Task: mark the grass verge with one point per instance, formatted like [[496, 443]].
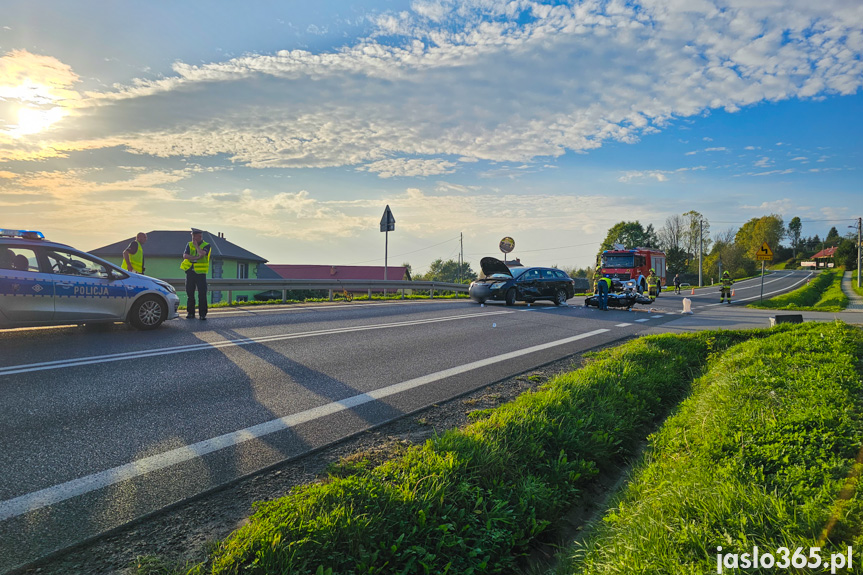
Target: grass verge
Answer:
[[824, 293], [473, 500], [766, 452]]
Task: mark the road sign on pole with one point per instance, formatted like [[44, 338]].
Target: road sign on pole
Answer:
[[388, 224], [764, 254]]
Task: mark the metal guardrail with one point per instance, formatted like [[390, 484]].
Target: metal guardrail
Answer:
[[354, 286]]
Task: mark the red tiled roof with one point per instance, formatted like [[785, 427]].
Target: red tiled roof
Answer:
[[317, 272], [825, 253]]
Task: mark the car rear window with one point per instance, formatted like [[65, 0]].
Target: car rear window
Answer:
[[18, 259]]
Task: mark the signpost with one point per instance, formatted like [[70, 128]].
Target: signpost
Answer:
[[764, 254], [507, 244], [388, 224]]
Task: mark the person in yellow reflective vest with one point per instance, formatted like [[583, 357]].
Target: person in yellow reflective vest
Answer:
[[603, 286], [653, 284], [196, 264], [133, 255], [725, 287]]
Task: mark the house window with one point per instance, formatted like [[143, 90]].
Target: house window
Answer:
[[242, 271]]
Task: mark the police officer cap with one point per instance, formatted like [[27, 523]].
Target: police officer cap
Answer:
[[197, 231]]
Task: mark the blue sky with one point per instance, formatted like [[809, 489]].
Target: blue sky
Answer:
[[290, 127]]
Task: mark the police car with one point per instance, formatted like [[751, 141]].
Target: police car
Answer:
[[46, 283]]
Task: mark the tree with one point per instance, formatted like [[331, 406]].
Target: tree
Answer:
[[671, 234], [832, 239], [448, 271], [846, 254], [630, 234], [696, 233], [766, 229], [794, 228], [676, 260]]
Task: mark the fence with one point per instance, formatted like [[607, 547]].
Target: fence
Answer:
[[283, 285]]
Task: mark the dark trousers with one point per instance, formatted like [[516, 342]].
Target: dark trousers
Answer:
[[602, 292], [194, 282]]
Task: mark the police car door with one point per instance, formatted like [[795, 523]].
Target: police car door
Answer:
[[26, 294], [84, 288]]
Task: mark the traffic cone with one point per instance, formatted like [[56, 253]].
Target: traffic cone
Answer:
[[732, 293], [693, 291]]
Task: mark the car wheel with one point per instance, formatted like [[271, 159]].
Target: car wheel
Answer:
[[510, 296], [560, 298], [148, 312]]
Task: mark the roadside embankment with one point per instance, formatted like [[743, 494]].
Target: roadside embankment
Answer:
[[766, 453], [824, 293]]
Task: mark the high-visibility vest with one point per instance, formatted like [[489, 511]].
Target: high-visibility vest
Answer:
[[727, 281], [652, 280], [202, 266], [137, 260]]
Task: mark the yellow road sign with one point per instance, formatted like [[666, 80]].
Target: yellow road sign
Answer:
[[764, 254]]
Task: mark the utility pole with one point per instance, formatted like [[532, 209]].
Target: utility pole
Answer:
[[460, 255], [859, 233], [700, 250]]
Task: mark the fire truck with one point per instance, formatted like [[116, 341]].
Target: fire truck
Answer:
[[633, 264]]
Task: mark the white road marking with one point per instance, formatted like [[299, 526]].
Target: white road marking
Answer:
[[57, 493], [63, 363], [655, 317], [641, 320], [623, 325]]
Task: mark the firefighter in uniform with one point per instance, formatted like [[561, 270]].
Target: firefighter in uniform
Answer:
[[725, 287], [653, 284], [196, 264]]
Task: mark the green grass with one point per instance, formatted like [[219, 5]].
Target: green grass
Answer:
[[473, 500], [824, 293], [763, 454]]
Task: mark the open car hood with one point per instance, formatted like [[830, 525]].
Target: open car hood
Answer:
[[491, 266]]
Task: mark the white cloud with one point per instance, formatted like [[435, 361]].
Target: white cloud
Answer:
[[764, 162], [715, 149], [503, 82], [408, 167], [783, 206]]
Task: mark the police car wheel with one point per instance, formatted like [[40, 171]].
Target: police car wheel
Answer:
[[148, 312]]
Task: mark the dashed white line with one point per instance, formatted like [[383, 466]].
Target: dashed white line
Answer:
[[641, 320], [623, 325]]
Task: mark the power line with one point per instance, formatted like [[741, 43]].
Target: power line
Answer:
[[405, 253]]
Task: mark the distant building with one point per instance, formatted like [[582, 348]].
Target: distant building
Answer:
[[825, 258], [163, 254], [319, 272]]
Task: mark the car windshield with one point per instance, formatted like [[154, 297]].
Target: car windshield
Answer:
[[497, 277], [518, 272], [617, 261]]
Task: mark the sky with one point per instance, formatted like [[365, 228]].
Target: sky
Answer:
[[290, 126]]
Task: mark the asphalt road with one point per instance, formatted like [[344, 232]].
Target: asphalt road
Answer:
[[102, 427]]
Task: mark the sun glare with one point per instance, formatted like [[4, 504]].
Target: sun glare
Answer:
[[34, 120]]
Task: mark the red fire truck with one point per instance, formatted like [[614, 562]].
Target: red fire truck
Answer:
[[633, 264]]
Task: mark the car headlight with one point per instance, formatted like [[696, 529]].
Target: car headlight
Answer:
[[498, 285], [167, 286]]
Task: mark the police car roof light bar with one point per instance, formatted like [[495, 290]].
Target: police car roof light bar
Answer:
[[27, 234]]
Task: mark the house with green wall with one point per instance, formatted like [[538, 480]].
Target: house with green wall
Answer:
[[163, 254]]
